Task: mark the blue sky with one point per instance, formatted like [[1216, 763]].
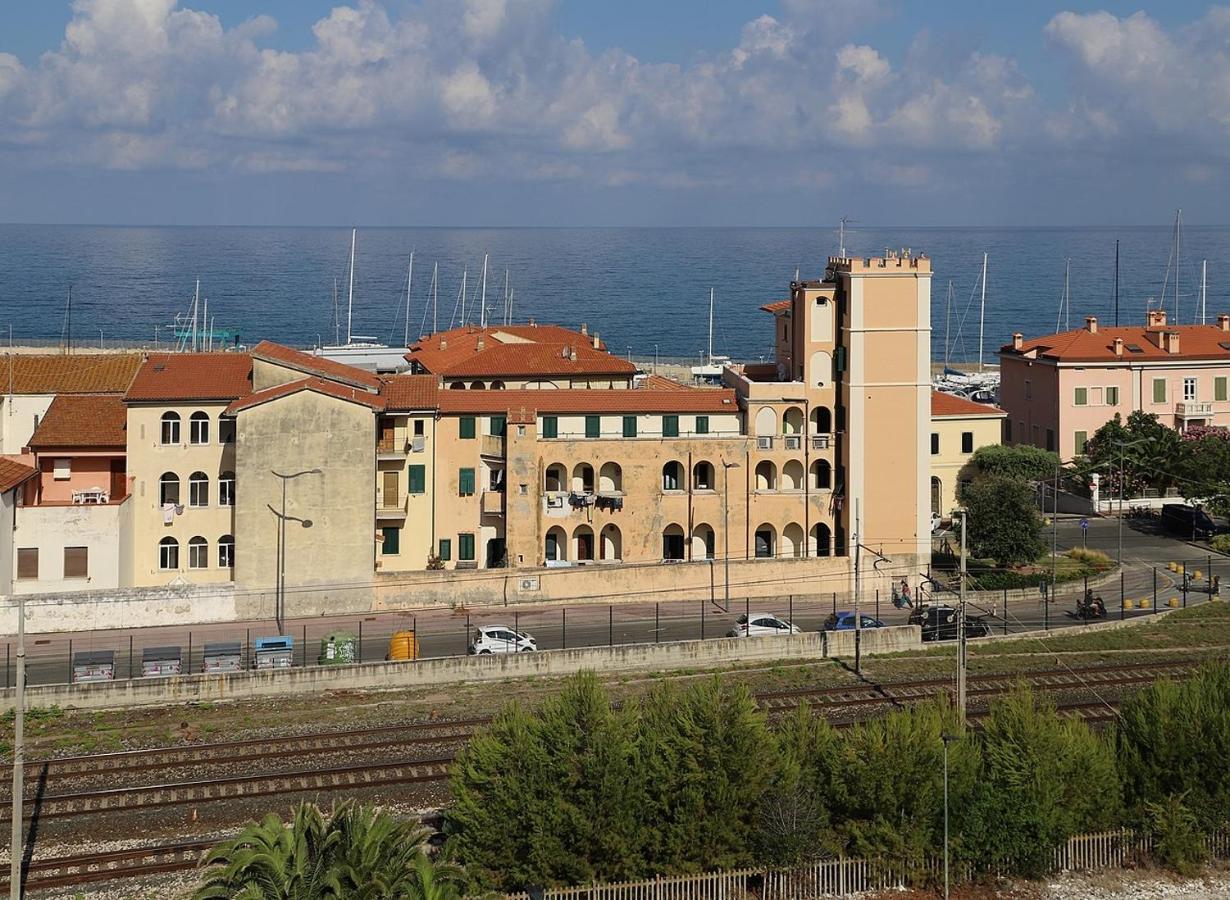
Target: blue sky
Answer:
[[576, 112]]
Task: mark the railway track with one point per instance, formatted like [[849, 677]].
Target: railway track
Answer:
[[136, 862]]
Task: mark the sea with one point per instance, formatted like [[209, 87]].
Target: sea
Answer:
[[644, 290]]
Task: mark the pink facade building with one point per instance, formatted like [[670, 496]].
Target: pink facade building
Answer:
[[1061, 388]]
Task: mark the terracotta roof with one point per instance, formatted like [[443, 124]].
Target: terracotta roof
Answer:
[[83, 420], [776, 306], [85, 373], [945, 405], [632, 400], [313, 384], [311, 364], [13, 473], [515, 350], [165, 377], [1081, 345], [403, 392]]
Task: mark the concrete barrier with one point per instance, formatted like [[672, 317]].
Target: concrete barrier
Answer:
[[394, 676]]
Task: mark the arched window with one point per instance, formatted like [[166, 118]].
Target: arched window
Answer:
[[610, 478], [766, 542], [226, 552], [703, 542], [556, 478], [766, 421], [170, 428], [226, 489], [612, 544], [821, 475], [821, 539], [672, 477], [821, 420], [583, 478], [792, 476], [168, 488], [457, 386], [198, 553], [198, 489], [198, 428], [168, 554], [792, 421], [583, 543], [556, 544], [497, 385], [476, 386], [766, 476], [672, 542], [702, 476], [226, 430], [792, 540]]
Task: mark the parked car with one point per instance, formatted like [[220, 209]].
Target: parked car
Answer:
[[1188, 522], [844, 621], [939, 623], [762, 625], [500, 639]]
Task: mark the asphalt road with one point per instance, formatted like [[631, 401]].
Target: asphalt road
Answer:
[[447, 633]]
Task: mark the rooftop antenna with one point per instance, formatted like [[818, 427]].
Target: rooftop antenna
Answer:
[[409, 279], [350, 292], [841, 240]]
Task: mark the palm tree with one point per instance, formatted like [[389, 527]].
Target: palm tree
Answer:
[[354, 852]]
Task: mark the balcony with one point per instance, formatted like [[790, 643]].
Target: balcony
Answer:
[[1193, 409], [389, 506], [388, 448], [493, 503], [793, 441], [491, 445], [821, 441]]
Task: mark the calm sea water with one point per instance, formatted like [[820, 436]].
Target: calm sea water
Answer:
[[639, 287]]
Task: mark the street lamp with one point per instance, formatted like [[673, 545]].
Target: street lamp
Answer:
[[279, 610], [726, 467], [1123, 445]]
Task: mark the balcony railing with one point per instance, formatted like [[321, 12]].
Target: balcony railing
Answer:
[[821, 441], [491, 445], [390, 506], [387, 447], [493, 503], [792, 441], [1190, 408]]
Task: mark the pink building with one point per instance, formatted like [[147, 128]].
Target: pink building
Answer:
[[1061, 388], [80, 448]]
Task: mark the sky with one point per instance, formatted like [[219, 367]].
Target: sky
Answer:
[[613, 112]]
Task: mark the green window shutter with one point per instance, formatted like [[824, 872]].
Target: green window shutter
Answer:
[[629, 426], [465, 547], [550, 426], [392, 541], [670, 426], [466, 427], [935, 443], [1112, 396], [446, 549], [839, 359], [593, 426], [1082, 396], [418, 479], [1081, 438], [465, 482], [1159, 390], [499, 426], [702, 424], [1219, 388]]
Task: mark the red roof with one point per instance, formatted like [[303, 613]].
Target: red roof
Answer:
[[84, 373], [313, 384], [314, 365], [1082, 345], [515, 350], [632, 400], [951, 405], [13, 473], [167, 377], [776, 306], [83, 421], [405, 392]]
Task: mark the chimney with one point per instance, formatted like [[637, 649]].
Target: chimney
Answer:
[[1155, 318], [532, 322], [1018, 340], [444, 344], [584, 328], [481, 343], [1091, 324], [1223, 322], [1118, 346], [1172, 342], [572, 354], [597, 343]]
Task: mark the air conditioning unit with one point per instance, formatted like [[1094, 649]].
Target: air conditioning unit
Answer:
[[764, 443]]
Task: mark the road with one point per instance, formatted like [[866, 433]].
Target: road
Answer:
[[447, 633]]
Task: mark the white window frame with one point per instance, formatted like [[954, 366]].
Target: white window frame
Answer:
[[1192, 383], [62, 468], [226, 490], [229, 548], [169, 429], [197, 422], [199, 549], [195, 485], [163, 551]]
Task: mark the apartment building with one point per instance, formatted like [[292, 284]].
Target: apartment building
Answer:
[[958, 428], [1057, 390]]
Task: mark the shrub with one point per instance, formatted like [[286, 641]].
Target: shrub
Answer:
[[1221, 543], [1094, 558], [1020, 461], [1177, 841], [794, 821], [1003, 521]]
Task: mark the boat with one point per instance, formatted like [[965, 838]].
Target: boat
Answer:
[[195, 330], [710, 370], [981, 386], [362, 351]]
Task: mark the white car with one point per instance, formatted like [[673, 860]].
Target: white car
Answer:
[[500, 639], [762, 625]]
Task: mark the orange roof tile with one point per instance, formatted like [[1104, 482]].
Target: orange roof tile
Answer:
[[632, 400], [515, 350], [311, 364], [13, 473], [315, 385], [167, 377], [85, 373], [1081, 345], [405, 392], [943, 405], [776, 306], [83, 420]]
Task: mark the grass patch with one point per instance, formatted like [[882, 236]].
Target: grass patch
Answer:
[[1074, 565]]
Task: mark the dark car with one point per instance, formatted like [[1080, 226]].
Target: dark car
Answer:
[[939, 623], [1187, 522], [844, 621]]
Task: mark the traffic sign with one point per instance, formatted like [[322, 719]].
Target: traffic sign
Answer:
[[1084, 524]]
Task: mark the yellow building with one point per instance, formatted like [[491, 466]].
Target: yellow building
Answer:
[[958, 428]]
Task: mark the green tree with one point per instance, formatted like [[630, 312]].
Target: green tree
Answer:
[[795, 825], [1043, 780], [1020, 461], [1153, 461], [1003, 522], [551, 797], [354, 852]]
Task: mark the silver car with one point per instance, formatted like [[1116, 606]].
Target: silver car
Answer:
[[500, 639]]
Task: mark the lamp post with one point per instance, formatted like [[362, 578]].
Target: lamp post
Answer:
[[726, 467], [1123, 445], [279, 610]]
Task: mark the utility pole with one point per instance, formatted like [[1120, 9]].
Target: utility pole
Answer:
[[17, 845], [961, 644], [858, 631], [726, 467]]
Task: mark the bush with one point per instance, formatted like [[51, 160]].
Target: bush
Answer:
[[1020, 461], [1003, 521], [1177, 841], [1221, 543], [1094, 558]]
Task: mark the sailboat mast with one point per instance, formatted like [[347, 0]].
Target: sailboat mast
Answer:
[[337, 322], [982, 309], [196, 300], [1067, 296], [350, 291], [205, 323], [947, 324], [1116, 282], [709, 361], [482, 312], [505, 296], [1204, 283], [463, 296], [1178, 217], [435, 297], [409, 279]]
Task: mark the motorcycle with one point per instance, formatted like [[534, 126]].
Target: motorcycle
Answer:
[[1089, 607]]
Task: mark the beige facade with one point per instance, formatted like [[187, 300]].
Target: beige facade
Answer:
[[958, 429]]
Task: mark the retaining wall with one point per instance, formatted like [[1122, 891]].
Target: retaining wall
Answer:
[[387, 676]]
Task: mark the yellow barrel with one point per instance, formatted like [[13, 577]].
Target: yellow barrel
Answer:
[[1128, 603], [403, 645], [1172, 566], [1172, 602], [1145, 602]]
